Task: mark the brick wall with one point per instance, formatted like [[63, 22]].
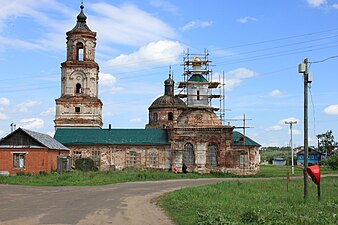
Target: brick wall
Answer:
[[36, 160]]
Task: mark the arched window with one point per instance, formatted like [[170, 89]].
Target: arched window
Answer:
[[155, 117], [78, 88], [188, 154], [212, 155], [170, 116], [79, 52]]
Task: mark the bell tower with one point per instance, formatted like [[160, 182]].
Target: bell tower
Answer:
[[79, 105]]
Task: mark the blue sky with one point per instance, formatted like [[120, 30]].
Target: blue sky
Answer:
[[257, 44]]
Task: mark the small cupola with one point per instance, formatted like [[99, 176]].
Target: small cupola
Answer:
[[169, 86]]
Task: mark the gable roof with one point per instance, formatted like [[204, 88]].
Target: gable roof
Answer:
[[69, 136], [44, 139], [238, 139]]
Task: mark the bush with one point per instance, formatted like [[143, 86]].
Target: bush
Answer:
[[43, 173], [85, 164], [20, 173], [332, 162]]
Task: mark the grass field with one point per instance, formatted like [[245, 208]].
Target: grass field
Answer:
[[254, 202], [77, 178]]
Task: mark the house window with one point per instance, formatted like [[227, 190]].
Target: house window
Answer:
[[19, 160], [153, 160], [212, 155], [78, 88], [77, 109], [79, 52], [170, 116], [188, 154], [198, 95], [155, 117], [133, 159], [243, 160], [96, 156]]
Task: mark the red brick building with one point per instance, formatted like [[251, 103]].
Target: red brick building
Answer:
[[29, 152]]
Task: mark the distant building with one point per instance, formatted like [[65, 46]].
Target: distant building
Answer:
[[183, 129], [314, 157], [30, 152], [279, 161]]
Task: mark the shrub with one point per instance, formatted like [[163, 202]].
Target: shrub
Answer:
[[43, 173], [332, 162], [20, 173], [85, 164]]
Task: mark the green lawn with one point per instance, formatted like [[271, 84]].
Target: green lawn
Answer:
[[254, 202], [77, 178]]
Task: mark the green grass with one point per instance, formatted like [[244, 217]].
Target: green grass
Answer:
[[254, 202], [77, 178]]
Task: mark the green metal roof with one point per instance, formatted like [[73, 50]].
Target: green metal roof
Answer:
[[111, 136], [238, 139], [197, 78]]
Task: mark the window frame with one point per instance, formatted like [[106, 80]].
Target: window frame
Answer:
[[16, 162]]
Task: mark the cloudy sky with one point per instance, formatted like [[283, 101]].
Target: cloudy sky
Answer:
[[257, 44]]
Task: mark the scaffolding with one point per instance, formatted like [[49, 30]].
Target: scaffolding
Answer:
[[199, 64]]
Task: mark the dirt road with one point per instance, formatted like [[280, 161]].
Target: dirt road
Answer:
[[120, 204]]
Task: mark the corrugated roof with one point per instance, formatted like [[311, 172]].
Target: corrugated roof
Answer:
[[197, 78], [46, 140], [238, 139], [112, 136]]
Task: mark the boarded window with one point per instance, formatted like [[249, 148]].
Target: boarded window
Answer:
[[96, 157], [153, 160], [155, 117], [243, 160], [212, 155], [134, 159], [19, 160], [188, 154]]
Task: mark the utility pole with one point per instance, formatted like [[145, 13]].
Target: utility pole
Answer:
[[292, 164], [303, 68]]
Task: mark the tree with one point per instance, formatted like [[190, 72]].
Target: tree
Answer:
[[326, 142]]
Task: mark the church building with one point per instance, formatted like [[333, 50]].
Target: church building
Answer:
[[183, 128]]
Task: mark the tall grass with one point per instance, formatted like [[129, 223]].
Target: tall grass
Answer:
[[254, 202]]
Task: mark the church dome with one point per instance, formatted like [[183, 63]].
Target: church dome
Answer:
[[167, 101], [198, 117]]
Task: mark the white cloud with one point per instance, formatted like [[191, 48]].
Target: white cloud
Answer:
[[4, 101], [31, 123], [235, 77], [316, 3], [2, 116], [155, 53], [130, 25], [275, 93], [48, 112], [335, 6], [274, 128], [290, 119], [106, 79], [242, 73], [196, 24], [135, 120], [247, 19], [331, 110], [24, 107]]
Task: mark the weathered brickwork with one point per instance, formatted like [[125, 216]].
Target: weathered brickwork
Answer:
[[119, 157]]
